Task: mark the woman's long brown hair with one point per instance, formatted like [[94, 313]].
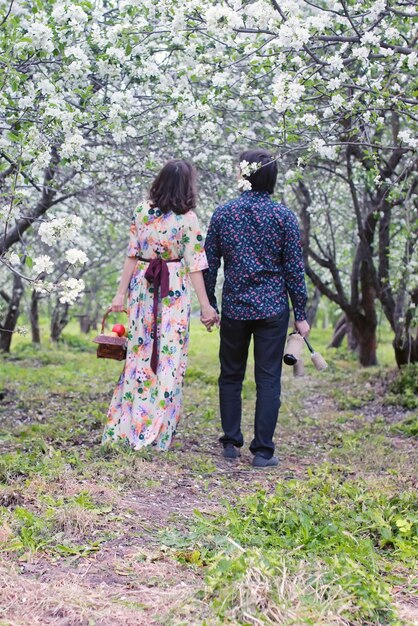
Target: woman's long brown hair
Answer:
[[174, 188]]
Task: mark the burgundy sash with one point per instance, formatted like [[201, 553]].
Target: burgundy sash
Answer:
[[157, 274]]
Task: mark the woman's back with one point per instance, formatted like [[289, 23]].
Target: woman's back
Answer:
[[168, 235]]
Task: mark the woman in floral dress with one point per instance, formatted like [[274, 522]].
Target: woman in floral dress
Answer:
[[165, 254]]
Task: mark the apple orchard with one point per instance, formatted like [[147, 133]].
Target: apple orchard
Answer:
[[96, 95]]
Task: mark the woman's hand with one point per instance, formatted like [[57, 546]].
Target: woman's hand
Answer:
[[209, 317], [303, 328], [118, 303]]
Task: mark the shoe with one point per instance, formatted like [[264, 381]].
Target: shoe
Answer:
[[260, 461], [231, 452]]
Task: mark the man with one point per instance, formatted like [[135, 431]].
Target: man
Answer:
[[259, 241]]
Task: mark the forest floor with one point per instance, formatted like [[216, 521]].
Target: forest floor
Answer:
[[111, 537]]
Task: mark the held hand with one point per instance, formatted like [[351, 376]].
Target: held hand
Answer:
[[303, 328], [209, 317], [118, 303]]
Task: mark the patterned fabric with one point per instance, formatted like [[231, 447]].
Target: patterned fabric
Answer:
[[145, 408], [259, 241]]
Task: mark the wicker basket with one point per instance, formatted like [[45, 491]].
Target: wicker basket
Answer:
[[110, 347]]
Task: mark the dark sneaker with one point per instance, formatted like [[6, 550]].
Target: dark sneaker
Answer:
[[261, 462], [231, 452]]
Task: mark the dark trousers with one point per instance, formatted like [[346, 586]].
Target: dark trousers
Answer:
[[269, 337]]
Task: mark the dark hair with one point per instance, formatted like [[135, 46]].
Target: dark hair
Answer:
[[265, 177], [174, 188]]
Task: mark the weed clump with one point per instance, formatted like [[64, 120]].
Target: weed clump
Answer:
[[404, 389]]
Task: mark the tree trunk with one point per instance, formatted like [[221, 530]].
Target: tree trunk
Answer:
[[12, 315], [352, 340], [340, 331], [59, 320], [34, 318], [85, 322], [313, 307], [406, 350], [364, 331]]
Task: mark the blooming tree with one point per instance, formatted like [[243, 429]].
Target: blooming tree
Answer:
[[97, 92]]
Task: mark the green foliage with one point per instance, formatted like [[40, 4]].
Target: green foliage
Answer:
[[78, 342], [408, 426], [61, 528], [404, 389], [357, 535], [34, 457]]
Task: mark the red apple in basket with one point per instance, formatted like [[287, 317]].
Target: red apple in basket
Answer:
[[119, 329]]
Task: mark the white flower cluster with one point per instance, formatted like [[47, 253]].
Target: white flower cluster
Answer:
[[244, 184], [21, 330], [248, 168], [60, 229], [408, 139], [319, 146], [287, 92], [44, 286], [73, 256], [70, 290], [13, 259], [41, 264]]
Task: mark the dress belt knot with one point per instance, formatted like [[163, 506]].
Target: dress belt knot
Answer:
[[157, 273]]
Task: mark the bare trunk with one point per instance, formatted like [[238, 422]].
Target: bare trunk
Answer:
[[34, 318], [352, 340], [12, 315], [59, 320], [313, 307], [340, 331], [406, 351], [344, 328], [85, 322], [364, 332]]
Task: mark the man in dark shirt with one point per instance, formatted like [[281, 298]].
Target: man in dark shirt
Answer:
[[259, 241]]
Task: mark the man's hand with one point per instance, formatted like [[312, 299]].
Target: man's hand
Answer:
[[209, 317], [303, 328]]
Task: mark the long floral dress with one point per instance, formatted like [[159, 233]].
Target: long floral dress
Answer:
[[146, 406]]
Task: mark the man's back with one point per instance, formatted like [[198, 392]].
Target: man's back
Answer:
[[260, 243]]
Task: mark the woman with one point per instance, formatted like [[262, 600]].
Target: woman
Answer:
[[165, 254]]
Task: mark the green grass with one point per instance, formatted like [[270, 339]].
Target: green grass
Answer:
[[326, 539], [362, 538]]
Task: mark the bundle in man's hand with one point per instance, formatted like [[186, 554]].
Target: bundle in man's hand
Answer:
[[293, 350]]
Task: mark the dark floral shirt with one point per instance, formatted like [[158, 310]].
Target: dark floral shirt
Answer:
[[259, 241]]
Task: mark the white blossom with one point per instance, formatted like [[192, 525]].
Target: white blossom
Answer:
[[60, 229], [310, 119], [336, 62], [14, 259], [337, 101], [70, 290], [41, 264], [334, 83], [406, 137], [72, 145], [73, 256], [41, 36], [21, 330], [247, 168], [361, 52], [412, 60], [244, 184]]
